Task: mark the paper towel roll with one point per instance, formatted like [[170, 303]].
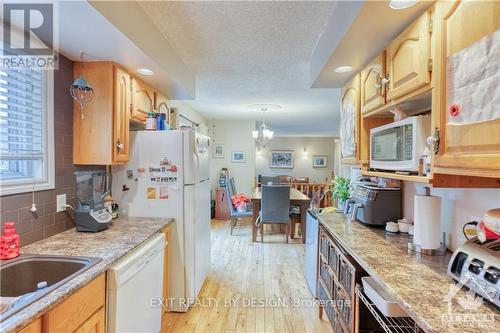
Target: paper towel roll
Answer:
[[427, 216]]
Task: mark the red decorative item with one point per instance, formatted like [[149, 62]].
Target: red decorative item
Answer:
[[9, 242], [173, 168], [454, 110]]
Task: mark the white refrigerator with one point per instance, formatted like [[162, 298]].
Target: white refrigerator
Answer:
[[168, 175]]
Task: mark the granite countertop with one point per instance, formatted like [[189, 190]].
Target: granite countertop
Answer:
[[110, 245], [418, 282]]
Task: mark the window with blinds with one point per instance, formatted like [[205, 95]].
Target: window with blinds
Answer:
[[25, 155]]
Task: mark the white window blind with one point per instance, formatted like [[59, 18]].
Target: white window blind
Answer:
[[26, 138]]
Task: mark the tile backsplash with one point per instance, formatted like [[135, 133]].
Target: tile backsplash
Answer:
[[16, 208]]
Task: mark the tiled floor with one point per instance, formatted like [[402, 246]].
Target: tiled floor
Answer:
[[245, 272]]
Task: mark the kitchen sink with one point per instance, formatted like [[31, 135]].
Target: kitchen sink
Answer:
[[28, 278]]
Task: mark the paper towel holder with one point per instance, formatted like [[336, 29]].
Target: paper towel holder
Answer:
[[441, 251]]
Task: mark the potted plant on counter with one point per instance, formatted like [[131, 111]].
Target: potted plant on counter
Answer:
[[341, 190]]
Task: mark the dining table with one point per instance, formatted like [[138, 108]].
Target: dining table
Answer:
[[297, 198]]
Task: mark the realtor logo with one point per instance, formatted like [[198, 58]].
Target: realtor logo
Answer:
[[29, 36], [469, 304]]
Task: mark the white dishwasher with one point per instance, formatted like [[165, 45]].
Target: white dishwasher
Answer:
[[132, 284]]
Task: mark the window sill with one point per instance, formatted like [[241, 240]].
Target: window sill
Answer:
[[25, 188]]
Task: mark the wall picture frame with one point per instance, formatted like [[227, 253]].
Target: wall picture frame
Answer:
[[320, 161], [281, 159], [218, 151], [238, 156]]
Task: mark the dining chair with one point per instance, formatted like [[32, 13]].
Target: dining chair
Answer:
[[235, 214], [275, 208], [232, 185]]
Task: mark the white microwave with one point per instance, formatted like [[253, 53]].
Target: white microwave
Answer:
[[399, 145]]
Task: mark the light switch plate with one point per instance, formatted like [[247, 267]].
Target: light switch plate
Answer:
[[61, 202]]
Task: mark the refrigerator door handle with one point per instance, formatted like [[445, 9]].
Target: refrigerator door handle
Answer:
[[197, 164]]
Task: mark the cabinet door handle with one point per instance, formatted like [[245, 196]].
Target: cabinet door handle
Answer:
[[385, 81], [120, 146]]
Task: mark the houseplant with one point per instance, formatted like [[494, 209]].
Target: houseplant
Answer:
[[341, 190]]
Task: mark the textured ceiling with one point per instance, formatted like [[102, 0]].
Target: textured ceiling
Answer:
[[374, 27], [252, 52]]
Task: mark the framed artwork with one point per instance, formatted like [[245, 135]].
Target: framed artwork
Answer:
[[218, 151], [319, 161], [282, 159], [238, 157]]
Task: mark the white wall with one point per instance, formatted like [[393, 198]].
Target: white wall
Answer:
[[235, 135], [303, 161], [457, 207], [187, 111]]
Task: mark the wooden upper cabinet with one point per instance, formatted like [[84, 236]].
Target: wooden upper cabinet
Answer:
[[142, 100], [349, 121], [372, 87], [409, 59], [162, 104], [464, 108], [123, 101], [100, 137]]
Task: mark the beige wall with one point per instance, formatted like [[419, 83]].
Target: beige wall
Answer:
[[235, 135], [303, 161], [187, 111], [457, 207]]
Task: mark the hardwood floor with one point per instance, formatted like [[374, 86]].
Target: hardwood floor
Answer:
[[244, 272]]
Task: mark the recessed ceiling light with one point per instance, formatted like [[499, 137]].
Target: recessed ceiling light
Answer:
[[401, 4], [145, 71], [343, 69]]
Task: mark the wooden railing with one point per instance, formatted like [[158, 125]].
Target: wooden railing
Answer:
[[310, 188]]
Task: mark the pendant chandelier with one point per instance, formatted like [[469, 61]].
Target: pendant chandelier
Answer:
[[263, 134]]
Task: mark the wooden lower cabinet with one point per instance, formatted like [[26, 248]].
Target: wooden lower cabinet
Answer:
[[95, 324], [34, 327], [82, 312], [337, 278]]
